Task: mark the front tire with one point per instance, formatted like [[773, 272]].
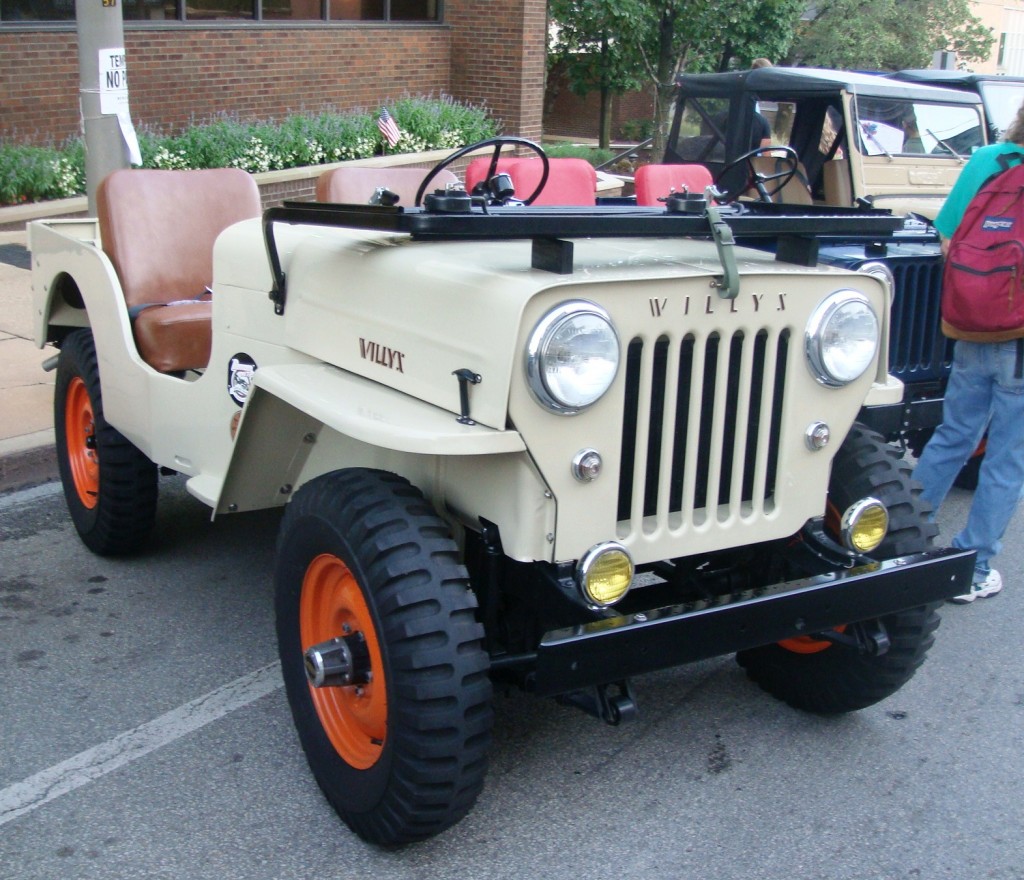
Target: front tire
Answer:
[[828, 678], [109, 485], [402, 755]]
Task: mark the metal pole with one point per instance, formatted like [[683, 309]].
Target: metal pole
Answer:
[[103, 86]]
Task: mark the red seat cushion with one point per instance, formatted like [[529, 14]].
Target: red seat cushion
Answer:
[[655, 182]]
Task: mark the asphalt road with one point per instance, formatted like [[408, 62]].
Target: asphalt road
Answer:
[[144, 734]]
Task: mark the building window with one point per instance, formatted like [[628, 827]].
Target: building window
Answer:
[[22, 11], [37, 10], [148, 10]]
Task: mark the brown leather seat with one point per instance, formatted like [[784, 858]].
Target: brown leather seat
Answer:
[[356, 185], [158, 229]]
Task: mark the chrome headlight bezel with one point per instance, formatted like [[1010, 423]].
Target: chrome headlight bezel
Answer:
[[822, 342], [878, 269], [538, 355]]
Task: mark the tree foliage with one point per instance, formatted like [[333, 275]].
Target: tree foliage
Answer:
[[890, 34], [652, 41]]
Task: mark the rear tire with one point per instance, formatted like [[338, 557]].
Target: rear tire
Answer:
[[402, 756], [109, 485], [827, 678]]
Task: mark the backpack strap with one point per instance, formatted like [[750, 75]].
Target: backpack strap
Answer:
[[1005, 160]]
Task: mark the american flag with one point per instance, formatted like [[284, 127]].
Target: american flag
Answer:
[[388, 127]]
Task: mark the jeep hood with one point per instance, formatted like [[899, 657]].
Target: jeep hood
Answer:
[[412, 314]]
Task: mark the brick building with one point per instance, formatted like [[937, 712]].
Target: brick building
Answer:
[[578, 116], [266, 59]]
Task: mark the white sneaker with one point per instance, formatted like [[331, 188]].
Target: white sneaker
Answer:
[[989, 585]]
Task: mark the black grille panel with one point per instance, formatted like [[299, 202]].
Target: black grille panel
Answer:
[[701, 426], [918, 351]]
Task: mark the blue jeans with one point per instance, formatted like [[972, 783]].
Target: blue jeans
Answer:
[[983, 390]]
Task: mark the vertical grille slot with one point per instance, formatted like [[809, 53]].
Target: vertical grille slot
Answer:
[[701, 424]]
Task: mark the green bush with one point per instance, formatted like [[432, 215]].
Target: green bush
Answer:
[[29, 174], [594, 155], [637, 129]]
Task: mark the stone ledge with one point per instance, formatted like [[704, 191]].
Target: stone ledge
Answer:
[[29, 460]]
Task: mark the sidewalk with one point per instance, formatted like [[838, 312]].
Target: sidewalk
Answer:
[[26, 390]]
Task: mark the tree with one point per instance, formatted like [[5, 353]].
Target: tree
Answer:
[[655, 40], [585, 47], [890, 34]]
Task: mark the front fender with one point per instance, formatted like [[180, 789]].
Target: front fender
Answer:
[[302, 420]]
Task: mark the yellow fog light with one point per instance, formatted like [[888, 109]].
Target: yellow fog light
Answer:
[[864, 525], [605, 573]]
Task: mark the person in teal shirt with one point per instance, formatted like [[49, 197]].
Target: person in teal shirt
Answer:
[[982, 165], [985, 391]]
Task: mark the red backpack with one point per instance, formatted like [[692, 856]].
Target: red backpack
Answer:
[[983, 279]]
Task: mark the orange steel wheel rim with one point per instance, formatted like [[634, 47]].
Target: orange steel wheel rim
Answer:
[[808, 644], [353, 717], [80, 438]]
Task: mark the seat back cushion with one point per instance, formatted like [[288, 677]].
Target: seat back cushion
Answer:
[[655, 182], [476, 170], [158, 227], [837, 183], [570, 181], [795, 191], [356, 185]]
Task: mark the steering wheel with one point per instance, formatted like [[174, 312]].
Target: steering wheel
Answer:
[[497, 143], [757, 180]]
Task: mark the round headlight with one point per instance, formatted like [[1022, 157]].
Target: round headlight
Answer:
[[573, 356], [841, 338]]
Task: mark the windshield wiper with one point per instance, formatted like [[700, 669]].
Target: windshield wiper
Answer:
[[939, 140]]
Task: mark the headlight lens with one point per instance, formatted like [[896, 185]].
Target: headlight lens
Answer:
[[573, 357], [864, 525], [841, 338], [605, 574]]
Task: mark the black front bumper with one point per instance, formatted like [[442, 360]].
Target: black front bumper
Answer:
[[619, 647]]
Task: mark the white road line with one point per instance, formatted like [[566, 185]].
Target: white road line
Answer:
[[85, 767]]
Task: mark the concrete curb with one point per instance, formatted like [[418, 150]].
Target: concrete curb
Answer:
[[27, 461]]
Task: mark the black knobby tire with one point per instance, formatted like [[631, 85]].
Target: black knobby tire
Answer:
[[109, 485], [830, 678], [404, 757]]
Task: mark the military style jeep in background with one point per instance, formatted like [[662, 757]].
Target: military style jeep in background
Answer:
[[853, 140], [552, 448]]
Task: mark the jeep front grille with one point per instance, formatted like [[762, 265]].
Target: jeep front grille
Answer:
[[701, 428], [918, 352]]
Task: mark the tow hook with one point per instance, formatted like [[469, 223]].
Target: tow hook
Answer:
[[613, 709], [338, 662], [868, 637]]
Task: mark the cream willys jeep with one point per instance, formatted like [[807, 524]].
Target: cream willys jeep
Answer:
[[552, 448]]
